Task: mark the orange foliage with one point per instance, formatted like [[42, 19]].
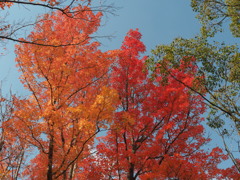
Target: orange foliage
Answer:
[[154, 130], [69, 102]]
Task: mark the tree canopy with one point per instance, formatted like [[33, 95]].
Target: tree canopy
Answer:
[[213, 13], [118, 114]]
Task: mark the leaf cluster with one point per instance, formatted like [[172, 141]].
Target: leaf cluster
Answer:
[[212, 14]]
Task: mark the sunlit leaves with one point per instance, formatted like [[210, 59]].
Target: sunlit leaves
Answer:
[[69, 102], [156, 131]]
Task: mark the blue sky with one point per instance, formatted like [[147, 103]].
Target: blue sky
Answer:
[[159, 21]]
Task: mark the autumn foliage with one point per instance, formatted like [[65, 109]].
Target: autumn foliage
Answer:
[[69, 99], [156, 130], [151, 130], [8, 4]]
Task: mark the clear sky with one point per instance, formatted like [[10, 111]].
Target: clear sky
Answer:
[[159, 21]]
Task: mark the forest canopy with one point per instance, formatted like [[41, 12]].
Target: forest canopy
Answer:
[[123, 113]]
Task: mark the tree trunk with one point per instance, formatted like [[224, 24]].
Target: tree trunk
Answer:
[[131, 172], [50, 159]]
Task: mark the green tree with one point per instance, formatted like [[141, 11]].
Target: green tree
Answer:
[[212, 14]]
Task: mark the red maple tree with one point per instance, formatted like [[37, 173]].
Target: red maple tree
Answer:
[[156, 132]]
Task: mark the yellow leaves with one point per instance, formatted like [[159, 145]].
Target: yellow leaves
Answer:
[[4, 173], [107, 96], [128, 118], [85, 124], [98, 111], [104, 104]]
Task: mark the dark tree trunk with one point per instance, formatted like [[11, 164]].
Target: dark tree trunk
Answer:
[[131, 172], [50, 160]]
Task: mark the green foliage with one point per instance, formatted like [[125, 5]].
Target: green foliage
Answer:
[[217, 63], [216, 124], [212, 13]]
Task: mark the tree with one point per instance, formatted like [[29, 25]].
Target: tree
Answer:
[[75, 91], [69, 100], [218, 64], [12, 151], [212, 14], [232, 172], [156, 131], [71, 9]]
